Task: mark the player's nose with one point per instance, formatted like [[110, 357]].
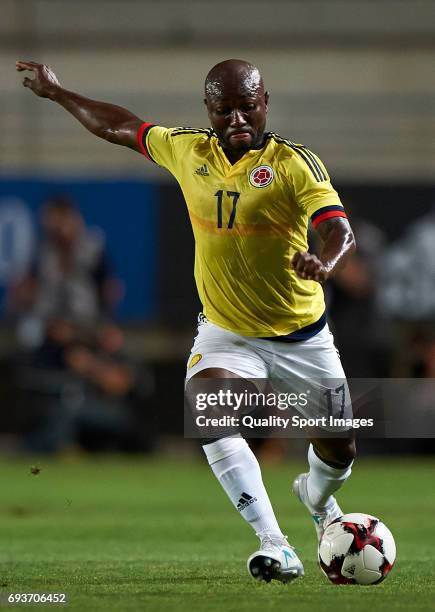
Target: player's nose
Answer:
[[237, 119]]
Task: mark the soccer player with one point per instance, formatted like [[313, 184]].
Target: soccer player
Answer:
[[250, 196]]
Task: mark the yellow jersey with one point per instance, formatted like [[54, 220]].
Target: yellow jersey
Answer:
[[248, 220]]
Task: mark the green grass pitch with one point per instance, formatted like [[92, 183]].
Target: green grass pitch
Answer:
[[118, 534]]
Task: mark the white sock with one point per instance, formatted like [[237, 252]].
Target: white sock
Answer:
[[323, 480], [238, 471]]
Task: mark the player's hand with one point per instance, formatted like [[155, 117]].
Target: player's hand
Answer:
[[309, 267], [44, 83]]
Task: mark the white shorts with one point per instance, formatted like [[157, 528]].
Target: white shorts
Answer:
[[311, 366]]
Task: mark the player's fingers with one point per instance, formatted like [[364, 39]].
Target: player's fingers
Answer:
[[27, 82], [309, 271], [312, 269], [300, 269], [319, 274], [298, 262], [20, 65], [298, 256], [306, 268], [29, 63]]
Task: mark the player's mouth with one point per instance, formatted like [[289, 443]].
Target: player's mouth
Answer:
[[240, 137]]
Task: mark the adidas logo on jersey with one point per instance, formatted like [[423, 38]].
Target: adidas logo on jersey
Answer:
[[202, 171], [245, 501]]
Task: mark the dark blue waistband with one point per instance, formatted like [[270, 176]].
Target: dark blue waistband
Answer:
[[302, 334]]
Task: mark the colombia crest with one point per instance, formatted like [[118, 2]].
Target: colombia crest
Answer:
[[261, 176]]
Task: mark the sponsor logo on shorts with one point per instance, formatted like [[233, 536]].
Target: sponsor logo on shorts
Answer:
[[261, 176], [195, 359]]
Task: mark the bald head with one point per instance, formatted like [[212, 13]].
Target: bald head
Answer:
[[234, 75], [237, 106]]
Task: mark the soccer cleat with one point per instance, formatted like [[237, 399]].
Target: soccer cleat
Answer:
[[276, 560], [323, 517]]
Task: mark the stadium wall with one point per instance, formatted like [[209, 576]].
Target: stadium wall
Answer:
[[352, 83]]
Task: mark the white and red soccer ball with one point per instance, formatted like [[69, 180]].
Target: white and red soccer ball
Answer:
[[357, 549]]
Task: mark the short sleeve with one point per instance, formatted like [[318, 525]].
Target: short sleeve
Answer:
[[311, 187], [156, 144]]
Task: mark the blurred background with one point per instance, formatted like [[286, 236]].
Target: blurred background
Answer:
[[97, 300]]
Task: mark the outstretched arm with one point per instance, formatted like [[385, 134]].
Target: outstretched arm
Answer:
[[113, 123], [338, 245]]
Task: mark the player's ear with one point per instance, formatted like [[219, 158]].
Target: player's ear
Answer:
[[205, 101], [266, 100]]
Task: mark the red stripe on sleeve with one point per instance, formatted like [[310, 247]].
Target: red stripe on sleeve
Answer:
[[140, 132], [329, 215]]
